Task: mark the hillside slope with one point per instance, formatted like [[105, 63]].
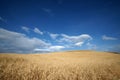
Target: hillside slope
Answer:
[[71, 65]]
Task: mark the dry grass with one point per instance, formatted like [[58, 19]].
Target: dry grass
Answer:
[[72, 65]]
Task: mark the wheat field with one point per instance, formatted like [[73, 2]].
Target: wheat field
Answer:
[[70, 65]]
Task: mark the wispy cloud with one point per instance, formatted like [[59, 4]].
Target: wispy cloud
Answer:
[[48, 11], [91, 46], [25, 29], [75, 40], [50, 49], [20, 43], [36, 30], [56, 48], [79, 44], [70, 40], [17, 42], [2, 19], [104, 37], [53, 36]]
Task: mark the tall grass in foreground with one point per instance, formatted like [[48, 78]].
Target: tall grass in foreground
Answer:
[[74, 65]]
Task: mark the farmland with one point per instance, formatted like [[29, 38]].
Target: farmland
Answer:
[[69, 65]]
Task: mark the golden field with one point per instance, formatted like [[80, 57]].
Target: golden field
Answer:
[[70, 65]]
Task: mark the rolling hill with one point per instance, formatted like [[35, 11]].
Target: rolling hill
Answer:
[[69, 65]]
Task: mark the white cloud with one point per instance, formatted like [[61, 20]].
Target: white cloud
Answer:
[[25, 29], [11, 41], [36, 30], [75, 40], [38, 50], [56, 48], [17, 42], [53, 36], [104, 37], [50, 49], [91, 46], [79, 44]]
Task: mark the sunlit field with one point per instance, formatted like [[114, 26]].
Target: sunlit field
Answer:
[[71, 65]]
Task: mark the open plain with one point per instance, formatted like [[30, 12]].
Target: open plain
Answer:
[[70, 65]]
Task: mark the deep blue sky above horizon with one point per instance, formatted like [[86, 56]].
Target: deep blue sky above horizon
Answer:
[[53, 25]]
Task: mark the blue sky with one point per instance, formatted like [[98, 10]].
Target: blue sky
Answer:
[[28, 26]]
